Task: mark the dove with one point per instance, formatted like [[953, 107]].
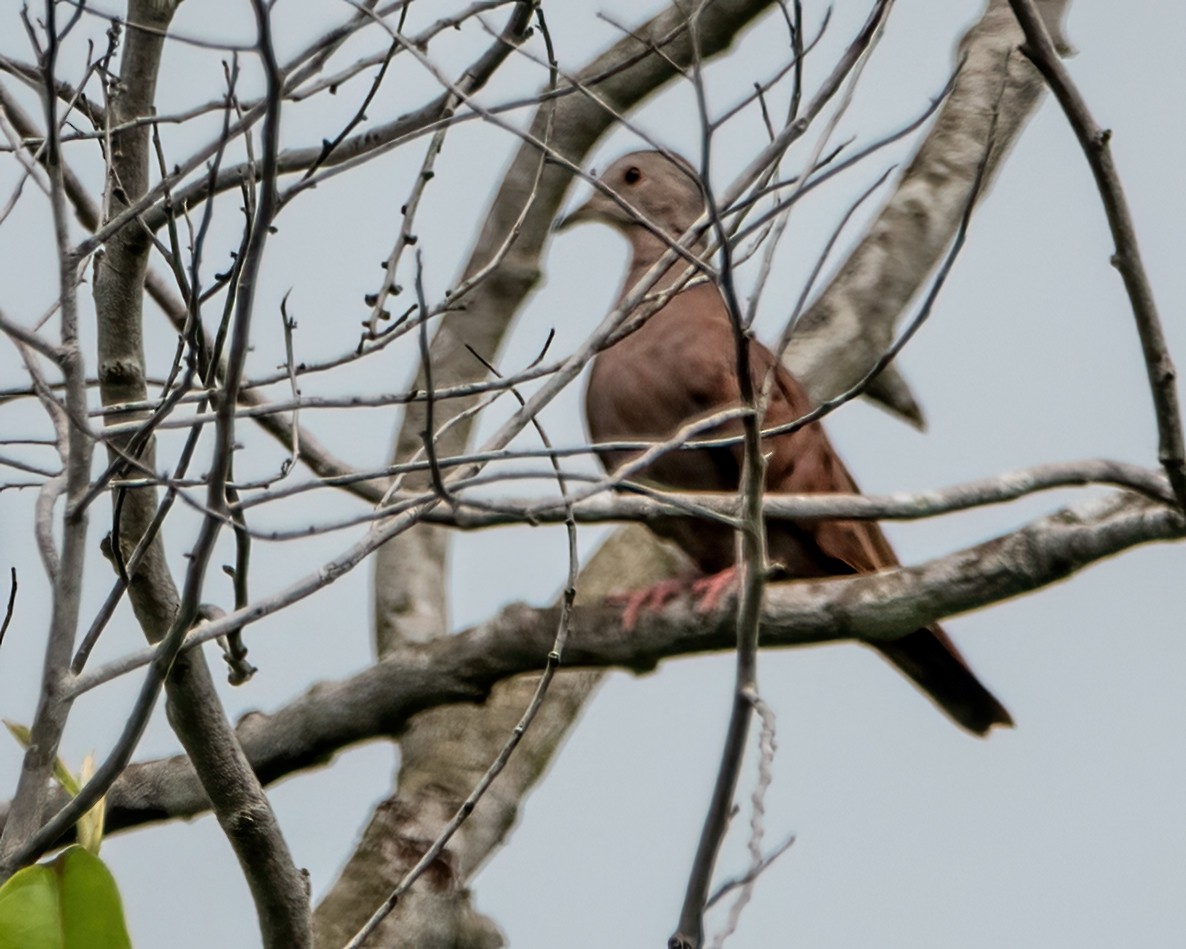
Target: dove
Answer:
[[679, 365]]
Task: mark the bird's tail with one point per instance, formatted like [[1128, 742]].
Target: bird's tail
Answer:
[[929, 658]]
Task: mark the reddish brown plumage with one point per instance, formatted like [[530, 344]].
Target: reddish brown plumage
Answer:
[[681, 364]]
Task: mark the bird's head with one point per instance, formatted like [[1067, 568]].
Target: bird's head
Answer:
[[648, 188]]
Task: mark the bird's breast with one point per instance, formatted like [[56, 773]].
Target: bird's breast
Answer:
[[674, 369]]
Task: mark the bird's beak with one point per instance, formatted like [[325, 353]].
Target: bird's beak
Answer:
[[586, 212]]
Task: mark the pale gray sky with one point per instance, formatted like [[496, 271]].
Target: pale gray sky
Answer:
[[1067, 831]]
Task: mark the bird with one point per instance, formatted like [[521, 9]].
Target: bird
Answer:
[[680, 364]]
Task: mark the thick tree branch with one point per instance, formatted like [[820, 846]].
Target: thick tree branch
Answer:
[[410, 572], [844, 332], [194, 710], [380, 701]]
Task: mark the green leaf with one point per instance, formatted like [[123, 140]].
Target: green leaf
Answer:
[[70, 903]]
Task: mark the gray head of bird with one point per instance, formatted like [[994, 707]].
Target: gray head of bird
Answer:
[[653, 192]]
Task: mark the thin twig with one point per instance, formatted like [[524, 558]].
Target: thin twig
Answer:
[[689, 933], [11, 604], [751, 874]]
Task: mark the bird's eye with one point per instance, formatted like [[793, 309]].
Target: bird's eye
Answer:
[[633, 175]]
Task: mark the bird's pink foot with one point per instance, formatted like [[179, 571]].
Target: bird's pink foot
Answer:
[[708, 592], [711, 590], [652, 598]]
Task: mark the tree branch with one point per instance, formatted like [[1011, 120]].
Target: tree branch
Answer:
[[435, 773], [1039, 47], [852, 322], [75, 449], [381, 700], [196, 715]]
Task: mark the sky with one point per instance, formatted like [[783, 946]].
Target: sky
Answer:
[[1067, 830]]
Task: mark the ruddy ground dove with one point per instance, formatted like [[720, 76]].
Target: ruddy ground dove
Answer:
[[681, 364]]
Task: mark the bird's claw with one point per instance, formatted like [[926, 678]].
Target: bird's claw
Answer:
[[652, 598], [711, 590], [707, 592]]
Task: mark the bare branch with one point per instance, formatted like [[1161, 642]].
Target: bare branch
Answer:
[[75, 447], [1039, 47], [842, 334], [8, 611], [380, 700]]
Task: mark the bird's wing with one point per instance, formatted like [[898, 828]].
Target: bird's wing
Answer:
[[804, 462], [810, 464]]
